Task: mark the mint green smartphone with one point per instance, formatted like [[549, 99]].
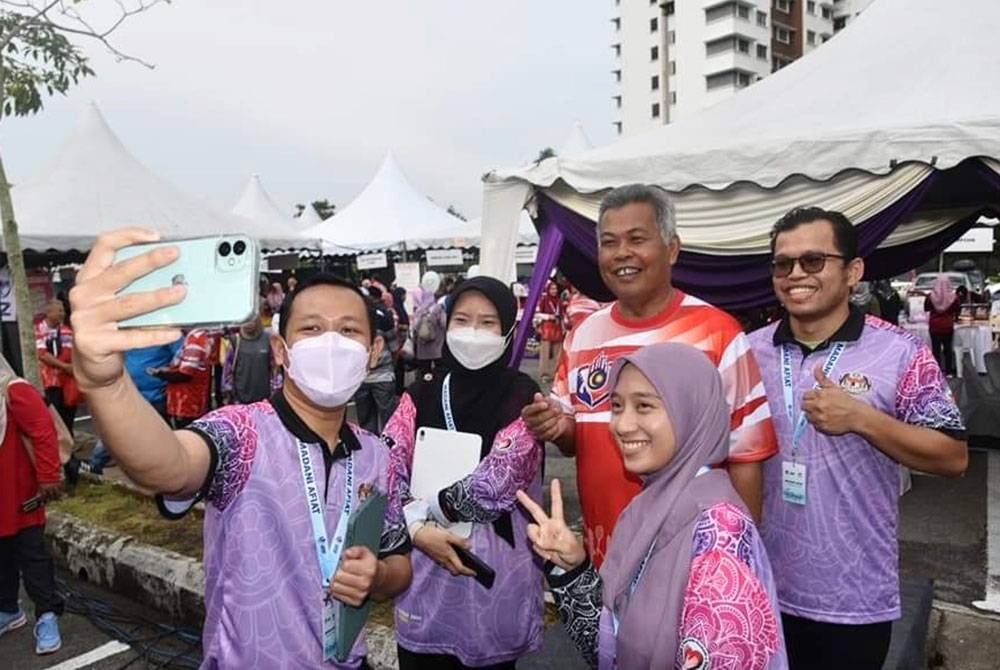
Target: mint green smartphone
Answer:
[[221, 274]]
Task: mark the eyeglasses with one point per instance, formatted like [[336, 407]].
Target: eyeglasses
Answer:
[[811, 262]]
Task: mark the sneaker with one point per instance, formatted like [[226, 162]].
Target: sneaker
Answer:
[[47, 639], [12, 620]]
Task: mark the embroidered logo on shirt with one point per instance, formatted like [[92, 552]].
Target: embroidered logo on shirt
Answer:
[[855, 383], [366, 491], [693, 655], [592, 381]]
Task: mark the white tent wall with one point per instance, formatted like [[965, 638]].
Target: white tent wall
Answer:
[[93, 184]]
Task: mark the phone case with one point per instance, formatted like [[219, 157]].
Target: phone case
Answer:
[[222, 284], [485, 575]]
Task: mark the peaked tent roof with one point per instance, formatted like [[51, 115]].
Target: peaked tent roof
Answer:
[[875, 96], [308, 218], [257, 205], [389, 213], [94, 184], [576, 142]]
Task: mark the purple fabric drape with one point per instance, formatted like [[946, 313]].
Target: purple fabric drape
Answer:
[[731, 282], [743, 282], [550, 243]]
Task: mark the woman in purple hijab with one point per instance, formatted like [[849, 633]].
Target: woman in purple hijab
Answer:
[[686, 583]]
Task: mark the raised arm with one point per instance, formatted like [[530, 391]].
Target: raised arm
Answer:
[[150, 453]]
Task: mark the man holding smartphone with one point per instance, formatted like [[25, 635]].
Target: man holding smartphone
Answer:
[[275, 555]]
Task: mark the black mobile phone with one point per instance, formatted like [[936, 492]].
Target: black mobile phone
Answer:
[[31, 504], [484, 573]]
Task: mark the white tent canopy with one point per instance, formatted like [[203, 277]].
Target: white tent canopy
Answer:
[[257, 205], [309, 217], [391, 213], [576, 142], [908, 87], [94, 184]]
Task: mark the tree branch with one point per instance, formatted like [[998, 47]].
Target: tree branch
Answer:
[[28, 20]]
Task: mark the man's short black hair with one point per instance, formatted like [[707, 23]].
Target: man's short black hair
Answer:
[[324, 279], [845, 237]]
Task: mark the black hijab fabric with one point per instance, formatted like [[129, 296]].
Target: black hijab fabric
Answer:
[[483, 401]]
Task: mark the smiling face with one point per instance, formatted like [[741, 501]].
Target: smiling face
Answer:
[[634, 260], [640, 424], [821, 295]]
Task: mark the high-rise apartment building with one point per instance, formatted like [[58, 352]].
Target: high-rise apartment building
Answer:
[[674, 58]]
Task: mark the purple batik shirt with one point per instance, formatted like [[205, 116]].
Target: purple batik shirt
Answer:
[[836, 557], [263, 585], [443, 614]]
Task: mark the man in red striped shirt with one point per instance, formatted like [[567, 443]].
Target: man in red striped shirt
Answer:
[[189, 378], [637, 248]]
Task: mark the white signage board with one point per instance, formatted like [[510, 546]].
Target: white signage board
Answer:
[[8, 308], [444, 257], [974, 240], [374, 261], [407, 275], [526, 255]]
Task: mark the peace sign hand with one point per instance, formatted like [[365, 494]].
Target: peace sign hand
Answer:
[[550, 537]]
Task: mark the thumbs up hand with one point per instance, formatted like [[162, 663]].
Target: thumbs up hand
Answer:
[[829, 408]]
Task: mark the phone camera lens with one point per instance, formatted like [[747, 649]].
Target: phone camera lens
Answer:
[[224, 249], [239, 247]]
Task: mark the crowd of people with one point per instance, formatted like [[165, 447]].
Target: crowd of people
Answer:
[[739, 492]]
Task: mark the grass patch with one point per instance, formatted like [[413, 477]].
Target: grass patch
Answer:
[[121, 511]]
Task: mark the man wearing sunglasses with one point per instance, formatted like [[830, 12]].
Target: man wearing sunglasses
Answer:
[[852, 397]]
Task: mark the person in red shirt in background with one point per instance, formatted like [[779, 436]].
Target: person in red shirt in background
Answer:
[[54, 342], [27, 478], [550, 320], [579, 307], [189, 379]]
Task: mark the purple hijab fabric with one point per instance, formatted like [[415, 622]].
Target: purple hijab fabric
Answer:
[[664, 514]]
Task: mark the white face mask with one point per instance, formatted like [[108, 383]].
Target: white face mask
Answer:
[[474, 349], [328, 368]]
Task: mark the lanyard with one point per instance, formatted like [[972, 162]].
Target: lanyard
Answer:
[[328, 554], [449, 418], [789, 386]]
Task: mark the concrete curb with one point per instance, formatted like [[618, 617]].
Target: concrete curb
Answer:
[[158, 578]]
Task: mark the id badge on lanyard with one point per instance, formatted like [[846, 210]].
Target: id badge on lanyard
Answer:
[[327, 553], [793, 472]]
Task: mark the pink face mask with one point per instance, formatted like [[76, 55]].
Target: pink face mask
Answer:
[[328, 368]]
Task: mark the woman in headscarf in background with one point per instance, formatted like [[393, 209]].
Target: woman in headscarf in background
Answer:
[[686, 579], [428, 323], [446, 619], [943, 307]]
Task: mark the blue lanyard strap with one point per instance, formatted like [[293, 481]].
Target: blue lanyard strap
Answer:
[[327, 553], [788, 386], [449, 418]]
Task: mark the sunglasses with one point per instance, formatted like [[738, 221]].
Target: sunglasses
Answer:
[[811, 262]]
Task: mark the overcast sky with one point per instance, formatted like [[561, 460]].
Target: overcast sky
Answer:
[[311, 93]]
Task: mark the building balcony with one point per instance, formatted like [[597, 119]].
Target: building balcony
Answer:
[[735, 26], [737, 60]]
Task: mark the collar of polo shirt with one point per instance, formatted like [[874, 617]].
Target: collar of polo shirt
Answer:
[[849, 331]]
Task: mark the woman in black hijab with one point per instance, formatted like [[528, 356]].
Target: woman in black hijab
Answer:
[[446, 619]]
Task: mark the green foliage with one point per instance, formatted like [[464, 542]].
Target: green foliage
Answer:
[[323, 207], [38, 60], [547, 152]]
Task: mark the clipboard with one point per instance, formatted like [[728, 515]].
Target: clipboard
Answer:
[[363, 529], [441, 458]]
